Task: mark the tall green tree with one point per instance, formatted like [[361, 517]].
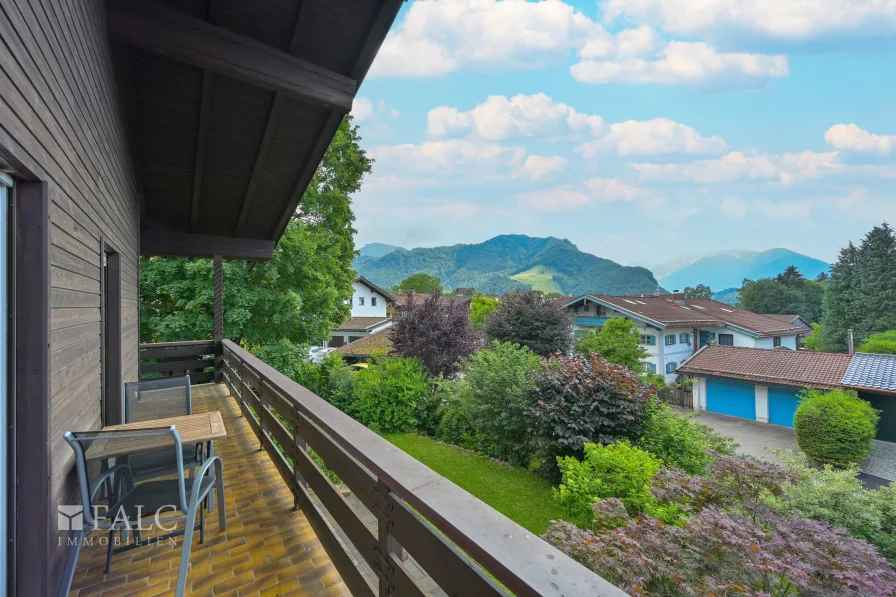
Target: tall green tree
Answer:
[[530, 319], [787, 293], [701, 291], [617, 341], [420, 283], [297, 296], [480, 308], [861, 294]]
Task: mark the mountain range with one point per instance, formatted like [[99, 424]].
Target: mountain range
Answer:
[[728, 269], [505, 263]]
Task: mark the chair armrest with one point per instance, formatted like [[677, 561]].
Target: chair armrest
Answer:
[[128, 476], [197, 479]]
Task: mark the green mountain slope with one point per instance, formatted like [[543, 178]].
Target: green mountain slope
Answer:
[[727, 270], [508, 262]]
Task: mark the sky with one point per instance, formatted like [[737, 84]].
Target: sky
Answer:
[[640, 130]]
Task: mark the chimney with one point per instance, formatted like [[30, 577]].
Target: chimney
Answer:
[[678, 298], [658, 291], [851, 341]]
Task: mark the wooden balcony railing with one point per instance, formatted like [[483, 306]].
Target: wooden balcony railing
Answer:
[[169, 359], [427, 530]]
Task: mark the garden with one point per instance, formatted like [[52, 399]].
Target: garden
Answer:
[[577, 447]]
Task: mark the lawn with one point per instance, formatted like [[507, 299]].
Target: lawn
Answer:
[[522, 496], [540, 277]]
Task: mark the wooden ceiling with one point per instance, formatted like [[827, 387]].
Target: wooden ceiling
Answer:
[[231, 105]]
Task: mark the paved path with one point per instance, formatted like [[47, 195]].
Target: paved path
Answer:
[[761, 440]]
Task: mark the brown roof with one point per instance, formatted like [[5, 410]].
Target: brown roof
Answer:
[[666, 311], [384, 293], [786, 318], [419, 298], [361, 324], [374, 344], [821, 370]]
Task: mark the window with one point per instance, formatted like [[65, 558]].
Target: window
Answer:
[[373, 301], [648, 340], [776, 341], [726, 339], [586, 308], [684, 338], [360, 301], [670, 340], [671, 367], [650, 367]]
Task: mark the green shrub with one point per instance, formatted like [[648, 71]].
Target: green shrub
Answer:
[[839, 497], [835, 427], [340, 390], [389, 394], [617, 341], [679, 441], [496, 390], [620, 470], [884, 343]]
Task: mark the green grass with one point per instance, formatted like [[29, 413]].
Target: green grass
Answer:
[[521, 495], [540, 277]]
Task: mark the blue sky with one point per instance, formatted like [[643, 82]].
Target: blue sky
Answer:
[[638, 129]]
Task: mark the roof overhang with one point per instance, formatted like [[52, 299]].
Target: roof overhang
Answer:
[[609, 305], [230, 107]]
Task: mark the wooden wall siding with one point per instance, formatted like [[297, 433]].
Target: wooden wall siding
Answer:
[[60, 117]]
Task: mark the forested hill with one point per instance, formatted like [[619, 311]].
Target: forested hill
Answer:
[[508, 262]]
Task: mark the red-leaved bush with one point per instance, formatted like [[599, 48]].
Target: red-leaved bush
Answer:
[[719, 553], [579, 400], [727, 540]]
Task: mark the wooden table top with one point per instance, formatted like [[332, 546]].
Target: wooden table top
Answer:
[[193, 429]]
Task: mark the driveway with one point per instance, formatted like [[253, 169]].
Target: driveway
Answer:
[[761, 439]]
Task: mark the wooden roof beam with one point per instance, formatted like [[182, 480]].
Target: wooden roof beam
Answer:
[[181, 244], [187, 39]]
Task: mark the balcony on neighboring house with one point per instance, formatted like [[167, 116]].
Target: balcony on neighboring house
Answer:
[[591, 321], [389, 526]]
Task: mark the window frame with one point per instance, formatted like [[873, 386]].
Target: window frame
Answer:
[[776, 342], [719, 339], [648, 339], [671, 337], [650, 367], [684, 338], [671, 367], [373, 301], [360, 301]]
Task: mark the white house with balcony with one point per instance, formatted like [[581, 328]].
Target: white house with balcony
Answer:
[[369, 303], [672, 327]]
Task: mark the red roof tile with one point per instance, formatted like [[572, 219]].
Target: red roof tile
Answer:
[[821, 370]]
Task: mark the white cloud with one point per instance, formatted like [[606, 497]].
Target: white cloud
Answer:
[[362, 108], [785, 19], [440, 36], [499, 118], [652, 137], [680, 62], [786, 168], [849, 137], [734, 207], [467, 160], [590, 192]]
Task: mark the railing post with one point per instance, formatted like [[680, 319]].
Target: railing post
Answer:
[[262, 412], [387, 544], [243, 404], [301, 446], [219, 318]]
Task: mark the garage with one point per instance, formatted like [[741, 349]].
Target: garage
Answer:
[[731, 398], [782, 403]]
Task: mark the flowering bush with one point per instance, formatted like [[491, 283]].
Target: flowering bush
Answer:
[[579, 400], [721, 553], [618, 470]]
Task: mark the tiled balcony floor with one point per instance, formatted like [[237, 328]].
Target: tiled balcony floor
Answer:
[[268, 548]]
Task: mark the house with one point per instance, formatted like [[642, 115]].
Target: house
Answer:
[[792, 319], [764, 385], [364, 348], [672, 327], [418, 298], [369, 304]]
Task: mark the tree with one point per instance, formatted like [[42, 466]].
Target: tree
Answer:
[[420, 283], [701, 291], [787, 293], [298, 295], [861, 294], [480, 308], [618, 342], [530, 319], [436, 332], [884, 343]]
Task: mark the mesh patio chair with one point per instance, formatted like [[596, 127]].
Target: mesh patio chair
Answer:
[[113, 502], [159, 399]]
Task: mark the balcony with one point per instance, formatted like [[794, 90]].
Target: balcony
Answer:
[[392, 526], [591, 321]]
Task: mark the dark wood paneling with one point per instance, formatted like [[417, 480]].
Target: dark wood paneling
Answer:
[[154, 242]]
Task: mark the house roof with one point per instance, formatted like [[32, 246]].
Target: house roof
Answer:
[[385, 294], [361, 324], [230, 107], [773, 367], [376, 343], [871, 371], [419, 298], [786, 318], [669, 311]]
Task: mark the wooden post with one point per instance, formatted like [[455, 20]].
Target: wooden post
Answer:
[[219, 319]]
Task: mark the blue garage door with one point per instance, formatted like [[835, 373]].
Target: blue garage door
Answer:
[[782, 403], [731, 398]]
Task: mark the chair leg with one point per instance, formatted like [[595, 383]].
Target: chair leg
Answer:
[[222, 508], [185, 550], [109, 551], [201, 522]]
